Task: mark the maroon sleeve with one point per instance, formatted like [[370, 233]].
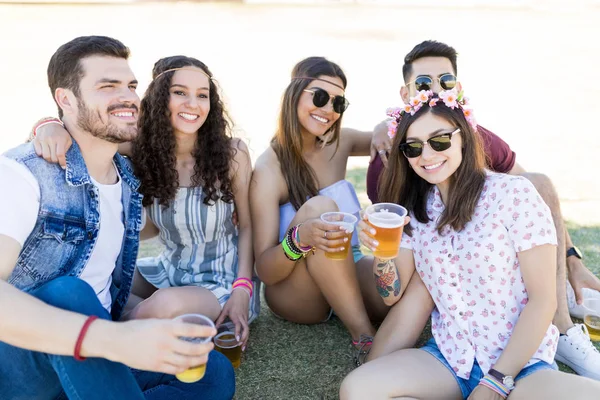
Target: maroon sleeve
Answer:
[[373, 173], [500, 157]]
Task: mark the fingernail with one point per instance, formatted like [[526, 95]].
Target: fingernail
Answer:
[[372, 231], [342, 248], [244, 348], [237, 338], [63, 167], [345, 239], [375, 243]]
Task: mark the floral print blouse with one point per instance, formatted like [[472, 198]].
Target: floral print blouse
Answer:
[[474, 275]]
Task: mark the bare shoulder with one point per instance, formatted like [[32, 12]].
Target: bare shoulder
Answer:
[[267, 172], [268, 162], [241, 157]]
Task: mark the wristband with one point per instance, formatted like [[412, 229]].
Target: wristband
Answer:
[[296, 238], [46, 121], [81, 336], [291, 255], [491, 383], [244, 283], [245, 289]]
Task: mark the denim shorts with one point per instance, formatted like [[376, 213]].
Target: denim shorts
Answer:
[[468, 385], [356, 253]]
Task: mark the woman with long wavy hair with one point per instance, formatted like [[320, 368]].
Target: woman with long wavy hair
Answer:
[[298, 178], [195, 179], [484, 245]]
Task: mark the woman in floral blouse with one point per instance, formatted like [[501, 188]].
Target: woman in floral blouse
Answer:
[[484, 245]]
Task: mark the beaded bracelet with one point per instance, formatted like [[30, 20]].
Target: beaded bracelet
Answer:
[[493, 384], [296, 238]]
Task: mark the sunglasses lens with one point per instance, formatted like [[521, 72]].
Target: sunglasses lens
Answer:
[[440, 143], [340, 104], [447, 81], [412, 150], [423, 83], [320, 97]]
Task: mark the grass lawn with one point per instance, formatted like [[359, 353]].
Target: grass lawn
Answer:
[[289, 361]]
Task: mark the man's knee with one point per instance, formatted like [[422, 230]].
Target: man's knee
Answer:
[[544, 186], [72, 294]]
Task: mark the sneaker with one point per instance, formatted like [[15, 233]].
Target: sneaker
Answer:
[[576, 350], [362, 346], [577, 310]]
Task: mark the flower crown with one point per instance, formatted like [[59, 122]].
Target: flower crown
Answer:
[[450, 98]]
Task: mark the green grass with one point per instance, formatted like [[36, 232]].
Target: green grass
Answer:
[[290, 361]]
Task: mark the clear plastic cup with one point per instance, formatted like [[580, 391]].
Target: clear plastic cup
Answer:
[[591, 318], [347, 221], [388, 221], [194, 374]]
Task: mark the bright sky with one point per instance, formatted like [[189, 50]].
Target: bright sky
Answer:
[[531, 72]]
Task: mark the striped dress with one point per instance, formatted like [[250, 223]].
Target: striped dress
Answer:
[[201, 246]]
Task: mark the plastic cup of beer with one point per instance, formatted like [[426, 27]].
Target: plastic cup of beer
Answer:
[[345, 220], [227, 344], [388, 221], [194, 374], [591, 318]]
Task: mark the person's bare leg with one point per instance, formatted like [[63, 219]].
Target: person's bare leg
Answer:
[[173, 301], [550, 385], [403, 374], [405, 321], [544, 186], [376, 308], [317, 283]]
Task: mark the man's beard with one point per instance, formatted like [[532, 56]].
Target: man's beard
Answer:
[[90, 121]]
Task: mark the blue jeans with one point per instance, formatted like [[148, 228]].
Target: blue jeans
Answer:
[[31, 375], [468, 385]]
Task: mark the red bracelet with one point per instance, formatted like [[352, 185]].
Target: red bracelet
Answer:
[[82, 333]]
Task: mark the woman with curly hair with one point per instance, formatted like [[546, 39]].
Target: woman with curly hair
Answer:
[[194, 177], [298, 178]]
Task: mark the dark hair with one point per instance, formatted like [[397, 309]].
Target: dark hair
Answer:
[[65, 70], [154, 150], [428, 48], [400, 183], [287, 141]]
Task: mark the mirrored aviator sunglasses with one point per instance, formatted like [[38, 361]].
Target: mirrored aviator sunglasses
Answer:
[[425, 82], [438, 143], [321, 97]]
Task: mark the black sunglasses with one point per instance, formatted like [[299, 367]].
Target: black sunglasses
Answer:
[[321, 97], [425, 82], [438, 143]]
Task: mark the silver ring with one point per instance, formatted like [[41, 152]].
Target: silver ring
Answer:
[[381, 152]]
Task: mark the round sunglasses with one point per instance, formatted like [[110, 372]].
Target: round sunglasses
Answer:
[[425, 82], [321, 97], [438, 143]]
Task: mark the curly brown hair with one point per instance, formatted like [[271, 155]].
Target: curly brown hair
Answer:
[[154, 150]]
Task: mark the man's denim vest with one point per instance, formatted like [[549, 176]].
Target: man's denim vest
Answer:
[[68, 222]]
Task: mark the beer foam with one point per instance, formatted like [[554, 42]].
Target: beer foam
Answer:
[[384, 219]]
